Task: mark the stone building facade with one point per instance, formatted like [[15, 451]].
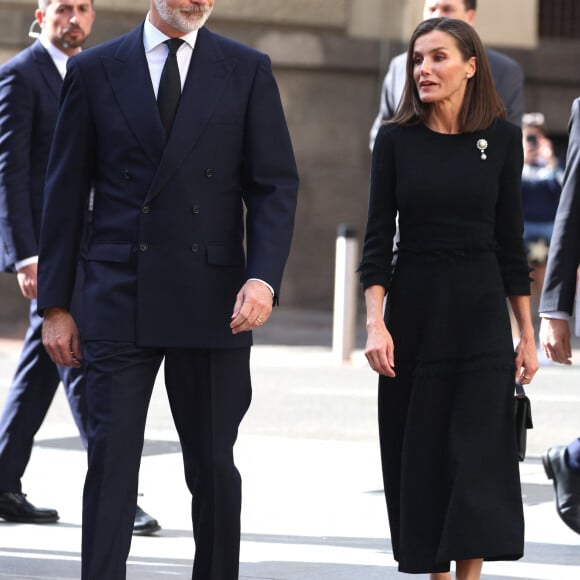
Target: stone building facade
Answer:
[[329, 58]]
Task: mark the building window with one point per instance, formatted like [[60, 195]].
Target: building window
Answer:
[[559, 19]]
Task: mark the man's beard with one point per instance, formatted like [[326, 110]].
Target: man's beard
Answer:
[[183, 19], [71, 42]]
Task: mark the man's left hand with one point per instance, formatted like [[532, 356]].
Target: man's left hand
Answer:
[[555, 338], [252, 308]]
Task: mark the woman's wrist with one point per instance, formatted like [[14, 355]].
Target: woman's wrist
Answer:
[[527, 334]]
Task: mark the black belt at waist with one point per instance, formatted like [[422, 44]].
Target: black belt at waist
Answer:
[[440, 254]]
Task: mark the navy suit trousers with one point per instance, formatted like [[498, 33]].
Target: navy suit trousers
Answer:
[[209, 392]]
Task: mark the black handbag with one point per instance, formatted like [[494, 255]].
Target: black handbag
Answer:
[[523, 415]]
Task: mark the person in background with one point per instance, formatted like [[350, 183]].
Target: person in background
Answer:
[[182, 133], [443, 346], [507, 73], [562, 462], [541, 188], [29, 87]]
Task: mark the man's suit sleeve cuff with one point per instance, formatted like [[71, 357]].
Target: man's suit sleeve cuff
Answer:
[[25, 262], [265, 283], [557, 314]]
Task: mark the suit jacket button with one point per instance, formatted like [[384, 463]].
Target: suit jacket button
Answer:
[[195, 209], [209, 172], [195, 248], [127, 175], [143, 247], [146, 209]]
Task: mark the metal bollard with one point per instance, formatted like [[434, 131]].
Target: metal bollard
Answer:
[[345, 288]]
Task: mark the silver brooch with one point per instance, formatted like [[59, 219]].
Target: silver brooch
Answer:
[[482, 146]]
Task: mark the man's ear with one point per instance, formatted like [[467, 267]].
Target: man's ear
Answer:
[[39, 15]]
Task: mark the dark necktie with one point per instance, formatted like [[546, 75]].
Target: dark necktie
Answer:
[[169, 86]]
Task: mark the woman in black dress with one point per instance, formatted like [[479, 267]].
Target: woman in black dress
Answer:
[[449, 166]]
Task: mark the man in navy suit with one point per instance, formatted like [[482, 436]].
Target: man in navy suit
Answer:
[[507, 73], [192, 224], [560, 296], [29, 87]]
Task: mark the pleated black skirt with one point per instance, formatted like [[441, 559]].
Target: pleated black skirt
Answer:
[[447, 433]]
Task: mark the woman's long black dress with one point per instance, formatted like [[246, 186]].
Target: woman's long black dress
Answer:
[[446, 420]]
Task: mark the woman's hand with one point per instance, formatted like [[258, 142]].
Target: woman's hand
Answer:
[[526, 354], [380, 349], [526, 360]]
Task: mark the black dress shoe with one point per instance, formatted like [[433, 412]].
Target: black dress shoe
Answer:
[[14, 507], [144, 524], [566, 484]]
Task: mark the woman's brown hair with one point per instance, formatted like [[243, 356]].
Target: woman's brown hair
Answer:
[[481, 103]]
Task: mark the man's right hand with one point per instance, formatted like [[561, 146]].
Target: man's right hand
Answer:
[[555, 340], [27, 280], [60, 337]]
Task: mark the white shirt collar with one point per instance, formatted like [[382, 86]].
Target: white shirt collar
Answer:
[[58, 57], [153, 37]]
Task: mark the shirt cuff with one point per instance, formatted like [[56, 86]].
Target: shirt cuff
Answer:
[[557, 314], [26, 262], [266, 283]]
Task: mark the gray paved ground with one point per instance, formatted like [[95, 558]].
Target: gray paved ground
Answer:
[[313, 504]]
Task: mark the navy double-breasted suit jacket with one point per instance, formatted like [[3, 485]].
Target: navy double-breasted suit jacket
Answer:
[[178, 227], [29, 89]]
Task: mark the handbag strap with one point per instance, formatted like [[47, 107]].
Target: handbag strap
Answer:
[[520, 392]]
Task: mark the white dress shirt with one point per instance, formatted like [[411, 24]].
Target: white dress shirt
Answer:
[[58, 57], [156, 53], [559, 314]]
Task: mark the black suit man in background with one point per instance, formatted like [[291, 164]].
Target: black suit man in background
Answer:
[[507, 73], [562, 462], [29, 87], [168, 277]]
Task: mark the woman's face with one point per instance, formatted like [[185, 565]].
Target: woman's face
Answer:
[[439, 71]]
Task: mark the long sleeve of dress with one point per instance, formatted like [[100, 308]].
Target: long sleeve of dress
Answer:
[[375, 267], [509, 222]]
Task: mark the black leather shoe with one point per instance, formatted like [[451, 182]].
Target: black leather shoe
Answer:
[[14, 507], [566, 485], [144, 524]]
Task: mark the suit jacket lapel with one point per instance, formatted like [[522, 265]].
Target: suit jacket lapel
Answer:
[[47, 68], [204, 85], [128, 74]]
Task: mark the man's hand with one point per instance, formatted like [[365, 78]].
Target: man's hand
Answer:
[[555, 340], [60, 337], [252, 308], [27, 280]]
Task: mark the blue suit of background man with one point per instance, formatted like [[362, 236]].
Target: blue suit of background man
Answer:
[[29, 88], [560, 300]]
